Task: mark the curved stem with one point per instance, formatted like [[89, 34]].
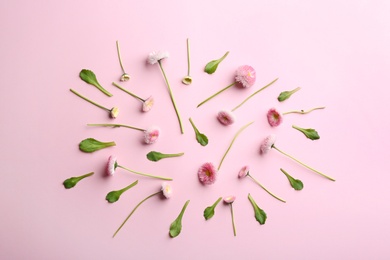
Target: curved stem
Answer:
[[119, 56], [144, 174], [172, 98], [222, 90], [232, 212], [302, 111], [269, 84], [128, 92], [301, 163], [118, 125], [131, 213], [234, 138], [90, 101], [188, 57], [264, 188]]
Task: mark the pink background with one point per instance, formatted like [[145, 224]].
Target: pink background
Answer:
[[336, 51]]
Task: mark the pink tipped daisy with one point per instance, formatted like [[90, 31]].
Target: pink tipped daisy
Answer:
[[226, 117], [274, 117], [267, 144], [243, 172], [246, 75], [148, 104], [166, 190], [111, 165], [229, 199], [156, 56], [207, 173], [151, 135]]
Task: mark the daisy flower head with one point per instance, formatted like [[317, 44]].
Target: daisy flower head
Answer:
[[156, 56], [243, 172], [166, 190], [246, 75], [125, 77], [151, 134], [148, 104], [226, 117], [207, 173], [267, 144], [229, 199], [111, 165], [114, 112], [274, 117]]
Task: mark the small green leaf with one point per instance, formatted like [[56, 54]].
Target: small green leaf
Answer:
[[156, 156], [287, 94], [114, 195], [89, 77], [201, 138], [176, 226], [209, 211], [308, 132], [91, 145], [260, 215], [71, 182], [295, 183], [212, 66]]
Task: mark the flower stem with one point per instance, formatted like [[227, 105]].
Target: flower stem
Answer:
[[144, 174], [302, 111], [188, 57], [222, 90], [172, 98], [234, 138], [119, 56], [90, 101], [118, 125], [234, 225], [193, 125], [131, 213], [301, 163], [264, 188], [269, 84], [128, 92]]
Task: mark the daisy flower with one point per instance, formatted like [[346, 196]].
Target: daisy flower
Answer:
[[147, 104], [157, 56], [275, 118], [113, 111], [229, 200], [244, 171], [187, 80], [151, 134], [207, 173], [269, 142], [125, 76]]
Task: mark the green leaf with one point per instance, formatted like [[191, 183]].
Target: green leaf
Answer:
[[176, 226], [89, 77], [287, 94], [91, 145], [114, 195], [212, 66], [295, 183], [209, 211], [71, 182], [156, 156], [201, 138], [260, 215], [308, 132]]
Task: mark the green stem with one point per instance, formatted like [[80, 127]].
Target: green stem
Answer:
[[222, 90], [128, 92], [302, 111], [295, 90], [234, 225], [188, 57], [170, 155], [301, 163], [216, 203], [119, 56], [118, 125], [90, 101], [172, 98], [230, 146], [269, 84], [193, 125], [131, 213], [180, 217], [264, 188], [128, 187], [144, 174]]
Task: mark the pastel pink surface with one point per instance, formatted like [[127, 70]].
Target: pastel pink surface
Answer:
[[336, 51]]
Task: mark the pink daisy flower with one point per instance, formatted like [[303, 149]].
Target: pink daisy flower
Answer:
[[243, 172], [226, 117], [246, 75], [156, 56], [111, 165], [114, 112], [151, 134], [166, 190], [274, 117], [229, 199], [267, 144], [207, 173], [148, 104]]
